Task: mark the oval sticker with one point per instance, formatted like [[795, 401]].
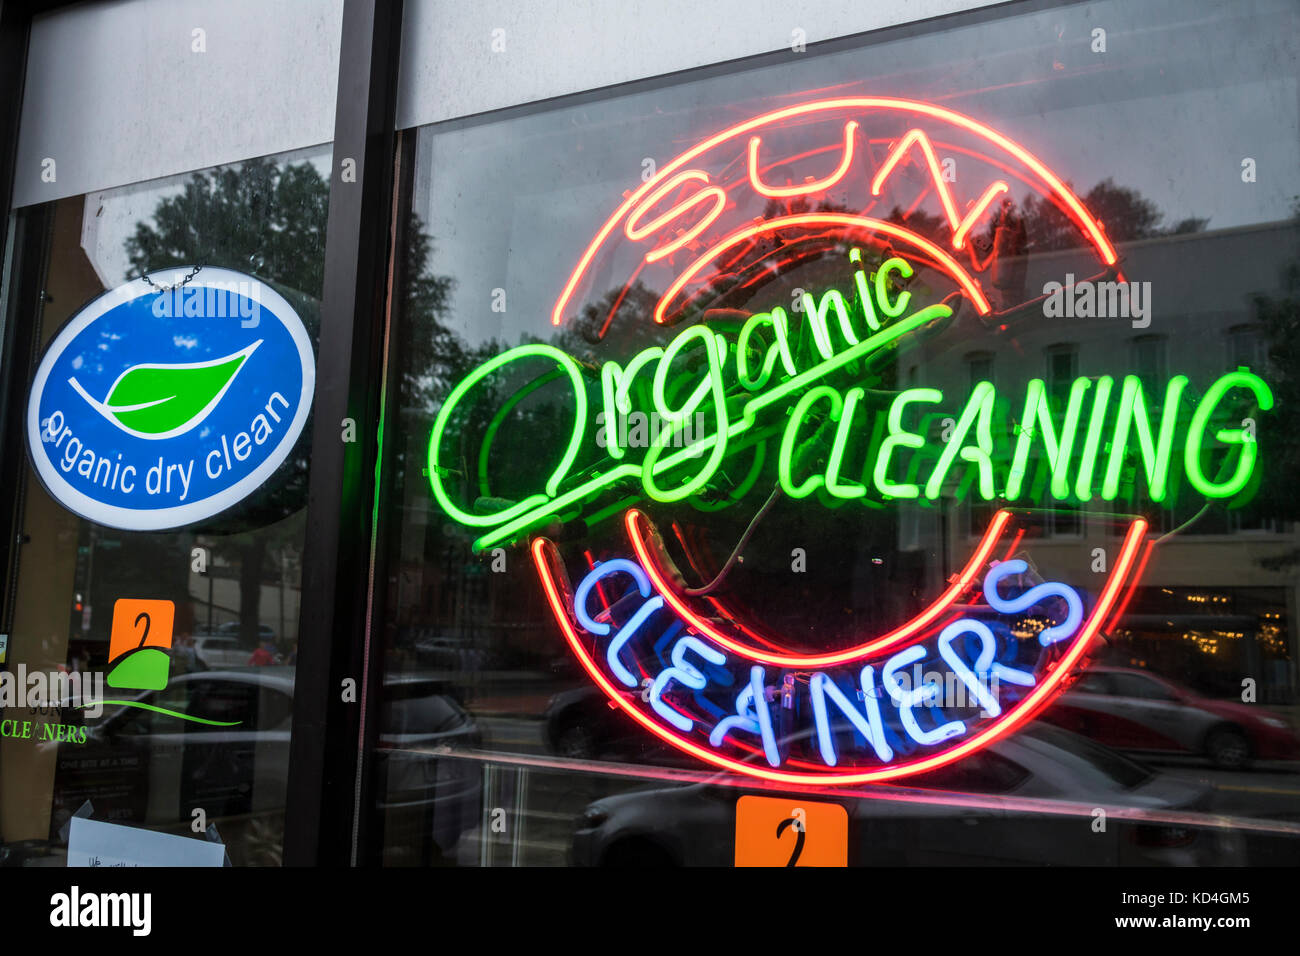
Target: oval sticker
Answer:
[[158, 406]]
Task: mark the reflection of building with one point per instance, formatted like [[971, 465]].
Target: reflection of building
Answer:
[[1208, 611], [216, 597]]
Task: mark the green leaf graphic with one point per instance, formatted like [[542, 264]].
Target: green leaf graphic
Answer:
[[156, 401], [144, 668]]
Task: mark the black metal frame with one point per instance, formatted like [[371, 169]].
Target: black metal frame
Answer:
[[367, 833], [16, 345], [326, 754]]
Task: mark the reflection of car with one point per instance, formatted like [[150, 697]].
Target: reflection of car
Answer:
[[693, 825], [583, 724], [222, 651], [418, 796], [1136, 710], [448, 654], [231, 629], [151, 766]]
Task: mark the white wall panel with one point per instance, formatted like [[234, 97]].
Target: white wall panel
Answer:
[[116, 94]]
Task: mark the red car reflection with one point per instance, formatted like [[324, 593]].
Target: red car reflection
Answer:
[[1136, 710]]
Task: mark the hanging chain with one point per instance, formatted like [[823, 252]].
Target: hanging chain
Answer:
[[168, 288]]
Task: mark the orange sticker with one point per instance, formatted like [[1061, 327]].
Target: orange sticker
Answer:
[[781, 831], [139, 646]]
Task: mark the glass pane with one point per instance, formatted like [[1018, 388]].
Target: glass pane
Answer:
[[184, 638], [747, 422]]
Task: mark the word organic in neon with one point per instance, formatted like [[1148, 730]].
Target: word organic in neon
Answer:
[[792, 388]]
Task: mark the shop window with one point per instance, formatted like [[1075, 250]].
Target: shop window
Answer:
[[543, 605], [1149, 360], [150, 603], [1062, 370], [980, 366]]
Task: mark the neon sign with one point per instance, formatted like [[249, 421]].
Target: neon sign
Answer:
[[792, 386]]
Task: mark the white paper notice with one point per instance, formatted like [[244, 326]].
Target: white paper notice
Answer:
[[92, 843]]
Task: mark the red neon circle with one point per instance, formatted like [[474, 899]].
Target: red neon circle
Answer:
[[968, 284], [635, 213]]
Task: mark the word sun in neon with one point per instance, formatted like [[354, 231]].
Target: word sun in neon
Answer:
[[717, 186]]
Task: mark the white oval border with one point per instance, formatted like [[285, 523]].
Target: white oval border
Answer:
[[163, 519]]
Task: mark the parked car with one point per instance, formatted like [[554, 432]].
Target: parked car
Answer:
[[582, 724], [449, 654], [1042, 766], [217, 652], [1138, 711], [232, 629]]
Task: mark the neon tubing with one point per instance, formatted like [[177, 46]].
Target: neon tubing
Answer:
[[1082, 218], [1155, 456], [519, 517], [948, 263], [977, 210], [1020, 713], [654, 570], [1035, 595], [931, 161], [811, 186], [1231, 436], [570, 368], [636, 233]]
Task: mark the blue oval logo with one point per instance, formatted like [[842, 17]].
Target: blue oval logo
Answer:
[[155, 409]]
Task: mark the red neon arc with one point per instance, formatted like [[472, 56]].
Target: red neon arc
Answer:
[[969, 286], [1013, 718], [639, 531], [804, 188], [1082, 218]]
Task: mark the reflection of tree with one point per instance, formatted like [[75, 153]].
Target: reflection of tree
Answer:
[[1125, 213], [269, 220], [434, 357], [1012, 232], [259, 218]]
